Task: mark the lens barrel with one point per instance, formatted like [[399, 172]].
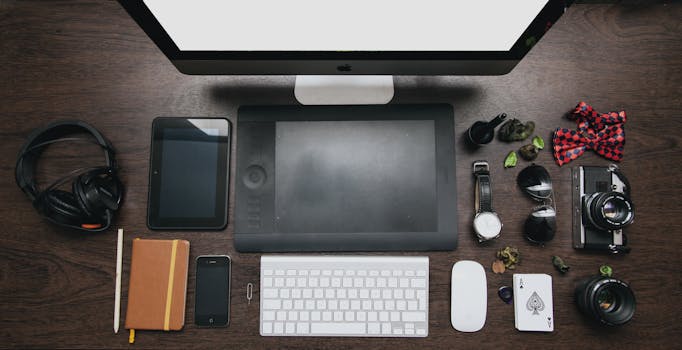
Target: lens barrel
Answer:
[[609, 210], [606, 300]]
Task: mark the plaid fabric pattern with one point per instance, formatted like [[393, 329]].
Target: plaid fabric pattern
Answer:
[[601, 132]]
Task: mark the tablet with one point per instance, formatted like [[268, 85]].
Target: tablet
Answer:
[[345, 178], [188, 173]]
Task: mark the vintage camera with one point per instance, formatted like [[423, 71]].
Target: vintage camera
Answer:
[[601, 208]]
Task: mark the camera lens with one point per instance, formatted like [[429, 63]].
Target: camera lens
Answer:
[[606, 300], [609, 210]]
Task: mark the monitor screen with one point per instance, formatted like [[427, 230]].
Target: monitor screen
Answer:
[[349, 25], [473, 37]]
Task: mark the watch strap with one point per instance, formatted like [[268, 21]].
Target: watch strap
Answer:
[[484, 194]]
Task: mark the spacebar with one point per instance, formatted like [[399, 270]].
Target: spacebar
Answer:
[[337, 328]]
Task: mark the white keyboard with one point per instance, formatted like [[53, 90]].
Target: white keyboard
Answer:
[[347, 296]]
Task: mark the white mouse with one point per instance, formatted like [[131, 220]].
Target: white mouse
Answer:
[[469, 296]]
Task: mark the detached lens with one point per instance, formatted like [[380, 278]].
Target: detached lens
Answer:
[[606, 300]]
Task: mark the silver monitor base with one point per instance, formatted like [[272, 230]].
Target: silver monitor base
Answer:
[[344, 89]]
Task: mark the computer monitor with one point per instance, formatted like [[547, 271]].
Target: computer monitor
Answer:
[[347, 37]]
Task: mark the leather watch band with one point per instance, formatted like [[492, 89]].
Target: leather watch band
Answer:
[[484, 194]]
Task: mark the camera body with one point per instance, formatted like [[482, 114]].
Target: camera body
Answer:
[[601, 208]]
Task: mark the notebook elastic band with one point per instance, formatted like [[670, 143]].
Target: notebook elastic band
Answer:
[[169, 292]]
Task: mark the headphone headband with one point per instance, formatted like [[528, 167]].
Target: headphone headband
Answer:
[[40, 138]]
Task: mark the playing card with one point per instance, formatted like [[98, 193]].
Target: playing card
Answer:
[[533, 307]]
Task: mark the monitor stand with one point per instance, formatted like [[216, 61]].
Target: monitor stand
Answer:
[[344, 89]]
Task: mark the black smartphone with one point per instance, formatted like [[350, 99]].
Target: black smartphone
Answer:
[[188, 174], [212, 298]]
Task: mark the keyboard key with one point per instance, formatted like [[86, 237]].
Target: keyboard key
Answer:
[[355, 304], [392, 282], [291, 282], [386, 294], [279, 282], [336, 282], [315, 316], [404, 283], [367, 305], [279, 272], [267, 272], [267, 282], [385, 273], [321, 304], [362, 273], [338, 272], [373, 328], [361, 316], [298, 304], [395, 316], [352, 294], [267, 327], [344, 305], [378, 305], [409, 273], [268, 316], [314, 272], [409, 325], [324, 282], [333, 304], [293, 316], [409, 294], [284, 293], [383, 316], [337, 328], [381, 282], [289, 328], [296, 293], [369, 282], [338, 316], [414, 317], [291, 273], [364, 293], [271, 304], [326, 272], [409, 331], [279, 328], [385, 328], [304, 316], [313, 282], [412, 305], [287, 304], [327, 316], [347, 282], [397, 331], [281, 315], [310, 305], [300, 282], [329, 294], [389, 305], [302, 328], [307, 293], [349, 316], [357, 282], [401, 305], [421, 273], [319, 293], [421, 331], [372, 316], [270, 293], [303, 273], [375, 294], [350, 272], [341, 293], [374, 273]]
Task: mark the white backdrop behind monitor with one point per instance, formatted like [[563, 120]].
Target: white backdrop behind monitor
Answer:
[[345, 25]]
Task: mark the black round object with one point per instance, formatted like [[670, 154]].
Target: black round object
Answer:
[[609, 210], [535, 181], [506, 293], [607, 300], [540, 225]]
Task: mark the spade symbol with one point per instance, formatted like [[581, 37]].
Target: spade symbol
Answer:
[[535, 304]]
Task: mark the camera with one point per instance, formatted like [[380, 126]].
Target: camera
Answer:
[[606, 300], [601, 208]]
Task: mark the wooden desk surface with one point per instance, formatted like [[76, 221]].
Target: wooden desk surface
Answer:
[[89, 60]]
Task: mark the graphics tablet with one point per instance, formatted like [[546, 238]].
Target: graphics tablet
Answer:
[[345, 178], [188, 174]]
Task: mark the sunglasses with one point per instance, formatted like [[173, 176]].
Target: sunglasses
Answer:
[[540, 225]]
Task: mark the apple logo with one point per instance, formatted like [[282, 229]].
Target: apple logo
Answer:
[[344, 68]]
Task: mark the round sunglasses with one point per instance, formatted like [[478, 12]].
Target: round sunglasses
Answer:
[[540, 225]]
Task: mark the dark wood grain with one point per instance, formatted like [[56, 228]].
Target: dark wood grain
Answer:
[[89, 60]]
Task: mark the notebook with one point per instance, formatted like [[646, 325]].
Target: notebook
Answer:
[[158, 285]]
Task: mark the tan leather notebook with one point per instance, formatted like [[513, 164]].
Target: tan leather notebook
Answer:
[[158, 285]]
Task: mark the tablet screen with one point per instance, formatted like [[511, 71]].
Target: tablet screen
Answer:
[[188, 173]]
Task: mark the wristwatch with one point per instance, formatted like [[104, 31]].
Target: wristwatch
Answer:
[[487, 224]]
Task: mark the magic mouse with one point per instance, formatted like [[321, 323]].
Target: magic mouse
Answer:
[[468, 297]]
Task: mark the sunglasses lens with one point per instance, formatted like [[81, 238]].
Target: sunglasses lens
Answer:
[[541, 225], [535, 180]]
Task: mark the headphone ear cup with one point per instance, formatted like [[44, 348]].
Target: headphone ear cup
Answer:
[[97, 191], [63, 207]]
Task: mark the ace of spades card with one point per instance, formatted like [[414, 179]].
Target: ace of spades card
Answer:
[[533, 308]]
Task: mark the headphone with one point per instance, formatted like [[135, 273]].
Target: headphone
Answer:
[[96, 191]]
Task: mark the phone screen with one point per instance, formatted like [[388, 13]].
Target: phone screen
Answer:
[[212, 300]]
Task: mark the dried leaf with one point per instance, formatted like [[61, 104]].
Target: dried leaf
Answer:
[[538, 142], [498, 266]]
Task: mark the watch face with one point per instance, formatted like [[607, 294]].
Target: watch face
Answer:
[[487, 225]]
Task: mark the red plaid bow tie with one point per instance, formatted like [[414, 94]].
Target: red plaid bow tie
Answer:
[[602, 133]]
